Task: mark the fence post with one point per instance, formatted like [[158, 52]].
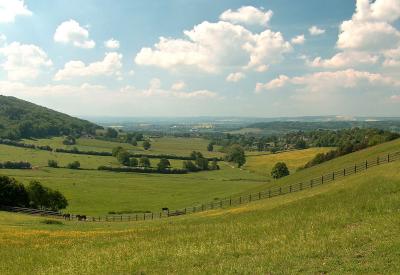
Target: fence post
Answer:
[[240, 200], [388, 157], [280, 190], [366, 164], [113, 218], [250, 197], [259, 195], [344, 172], [322, 179], [333, 175], [355, 168], [290, 189], [230, 201], [221, 204], [377, 160], [185, 210], [311, 183], [152, 215], [301, 185], [121, 218]]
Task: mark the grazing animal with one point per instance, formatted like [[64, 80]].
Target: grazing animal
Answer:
[[67, 216], [165, 209], [81, 217]]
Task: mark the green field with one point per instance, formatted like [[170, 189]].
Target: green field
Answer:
[[164, 145], [262, 164], [347, 227]]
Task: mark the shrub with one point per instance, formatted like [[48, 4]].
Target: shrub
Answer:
[[45, 198], [144, 162], [52, 163], [279, 170], [236, 154], [133, 162], [123, 157], [163, 164], [15, 165], [146, 145], [74, 165], [12, 193], [69, 140], [190, 166]]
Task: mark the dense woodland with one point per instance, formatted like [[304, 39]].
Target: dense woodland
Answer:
[[22, 119]]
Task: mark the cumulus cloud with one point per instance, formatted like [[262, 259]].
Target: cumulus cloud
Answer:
[[370, 27], [110, 65], [155, 90], [345, 59], [299, 40], [24, 61], [235, 77], [178, 86], [314, 30], [273, 84], [210, 47], [247, 15], [9, 9], [112, 44], [70, 32], [331, 81]]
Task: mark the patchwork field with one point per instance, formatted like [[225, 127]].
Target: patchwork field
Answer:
[[350, 226], [262, 164]]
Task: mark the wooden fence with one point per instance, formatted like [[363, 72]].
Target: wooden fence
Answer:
[[231, 201]]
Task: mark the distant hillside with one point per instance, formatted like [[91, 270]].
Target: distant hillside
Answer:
[[22, 119], [282, 127]]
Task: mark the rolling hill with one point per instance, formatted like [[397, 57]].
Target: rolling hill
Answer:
[[347, 227], [22, 119]]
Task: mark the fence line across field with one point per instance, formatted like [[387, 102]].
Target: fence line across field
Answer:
[[226, 202]]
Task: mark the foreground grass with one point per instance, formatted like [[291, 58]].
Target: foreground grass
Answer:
[[350, 226]]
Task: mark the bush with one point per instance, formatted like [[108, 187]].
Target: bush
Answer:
[[144, 162], [133, 162], [69, 140], [45, 198], [15, 165], [74, 165], [190, 166], [123, 157], [236, 154], [146, 145], [279, 170], [163, 164], [52, 163], [12, 193]]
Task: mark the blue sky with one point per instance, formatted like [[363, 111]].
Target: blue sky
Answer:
[[217, 58]]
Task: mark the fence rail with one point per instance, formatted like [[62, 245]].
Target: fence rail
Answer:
[[226, 202]]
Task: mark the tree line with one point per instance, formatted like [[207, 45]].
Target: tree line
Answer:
[[34, 195]]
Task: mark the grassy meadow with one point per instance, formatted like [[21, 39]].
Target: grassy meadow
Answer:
[[262, 163], [347, 227]]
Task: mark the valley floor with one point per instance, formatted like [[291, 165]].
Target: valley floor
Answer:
[[350, 226]]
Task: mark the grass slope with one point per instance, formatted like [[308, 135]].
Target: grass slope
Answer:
[[262, 164], [350, 226]]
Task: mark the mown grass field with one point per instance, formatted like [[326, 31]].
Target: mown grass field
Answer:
[[164, 145], [263, 164], [347, 227]]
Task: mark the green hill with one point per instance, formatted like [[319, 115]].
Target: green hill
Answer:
[[346, 227], [22, 119]]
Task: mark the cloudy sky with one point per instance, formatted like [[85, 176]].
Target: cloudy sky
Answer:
[[196, 57]]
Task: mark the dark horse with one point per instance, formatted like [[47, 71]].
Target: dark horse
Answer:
[[81, 217], [66, 216]]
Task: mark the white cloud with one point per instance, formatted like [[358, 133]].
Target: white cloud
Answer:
[[24, 61], [9, 9], [392, 58], [370, 26], [178, 86], [210, 47], [314, 30], [70, 32], [273, 84], [235, 77], [331, 81], [110, 65], [345, 59], [3, 39], [299, 40], [247, 15], [112, 44], [395, 98]]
